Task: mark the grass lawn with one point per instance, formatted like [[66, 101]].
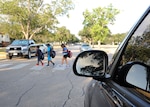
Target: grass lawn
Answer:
[[2, 49]]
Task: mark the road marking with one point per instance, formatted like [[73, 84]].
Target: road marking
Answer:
[[4, 65], [37, 67], [19, 66], [40, 67], [60, 67]]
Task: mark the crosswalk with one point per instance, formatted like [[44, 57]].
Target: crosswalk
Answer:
[[32, 67], [19, 66], [4, 65]]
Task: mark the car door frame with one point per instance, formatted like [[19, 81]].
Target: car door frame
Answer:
[[123, 93]]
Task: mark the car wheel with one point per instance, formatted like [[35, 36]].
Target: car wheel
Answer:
[[29, 55], [10, 56]]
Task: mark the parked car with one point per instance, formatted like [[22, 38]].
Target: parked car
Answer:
[[85, 47], [43, 48], [21, 47], [125, 80]]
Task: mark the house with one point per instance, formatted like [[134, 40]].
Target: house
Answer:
[[4, 40]]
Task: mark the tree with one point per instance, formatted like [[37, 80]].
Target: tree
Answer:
[[85, 34], [97, 22], [62, 34], [31, 17], [73, 39], [115, 38]]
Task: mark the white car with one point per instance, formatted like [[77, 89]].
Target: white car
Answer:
[[85, 47], [43, 48]]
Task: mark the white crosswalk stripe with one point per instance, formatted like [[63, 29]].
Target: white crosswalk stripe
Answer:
[[4, 65], [34, 67], [19, 66], [37, 67], [60, 67]]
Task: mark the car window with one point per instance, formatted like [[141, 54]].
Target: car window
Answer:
[[20, 42], [138, 49], [85, 45]]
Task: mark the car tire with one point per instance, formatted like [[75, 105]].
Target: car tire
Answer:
[[10, 56], [29, 55]]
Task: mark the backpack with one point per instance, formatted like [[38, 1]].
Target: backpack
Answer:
[[52, 53], [69, 54], [42, 55]]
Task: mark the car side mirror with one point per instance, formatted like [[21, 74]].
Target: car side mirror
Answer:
[[135, 74], [92, 63]]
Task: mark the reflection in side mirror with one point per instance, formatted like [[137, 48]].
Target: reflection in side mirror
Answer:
[[139, 76], [91, 63]]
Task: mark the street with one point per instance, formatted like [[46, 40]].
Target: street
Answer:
[[23, 84]]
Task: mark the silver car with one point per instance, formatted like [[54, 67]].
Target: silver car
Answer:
[[85, 47]]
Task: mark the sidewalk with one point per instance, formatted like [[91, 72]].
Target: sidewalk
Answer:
[[2, 55]]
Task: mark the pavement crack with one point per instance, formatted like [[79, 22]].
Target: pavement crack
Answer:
[[68, 93], [19, 100], [83, 91]]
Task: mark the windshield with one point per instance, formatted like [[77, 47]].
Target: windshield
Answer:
[[85, 45], [20, 42]]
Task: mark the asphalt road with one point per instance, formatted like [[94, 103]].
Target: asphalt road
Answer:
[[23, 84]]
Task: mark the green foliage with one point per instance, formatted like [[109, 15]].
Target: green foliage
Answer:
[[97, 23], [2, 50], [115, 38], [85, 34], [29, 18], [62, 34]]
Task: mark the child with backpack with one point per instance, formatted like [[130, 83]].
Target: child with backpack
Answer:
[[49, 49], [65, 54], [39, 56]]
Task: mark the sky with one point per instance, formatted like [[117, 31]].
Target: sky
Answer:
[[130, 11]]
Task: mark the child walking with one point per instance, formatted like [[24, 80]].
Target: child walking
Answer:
[[39, 53], [65, 54], [49, 49]]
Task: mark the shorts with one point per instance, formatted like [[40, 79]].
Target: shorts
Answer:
[[65, 56]]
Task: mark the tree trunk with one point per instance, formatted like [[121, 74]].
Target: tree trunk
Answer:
[[99, 43]]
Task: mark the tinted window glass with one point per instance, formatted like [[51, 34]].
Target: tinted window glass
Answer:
[[20, 42], [138, 49]]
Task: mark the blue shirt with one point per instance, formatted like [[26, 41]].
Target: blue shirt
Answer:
[[65, 51]]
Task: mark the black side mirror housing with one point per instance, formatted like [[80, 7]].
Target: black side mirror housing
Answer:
[[91, 63]]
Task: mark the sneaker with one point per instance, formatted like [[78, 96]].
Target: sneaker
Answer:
[[37, 64], [47, 65], [53, 64], [42, 64]]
